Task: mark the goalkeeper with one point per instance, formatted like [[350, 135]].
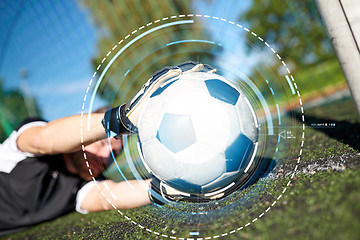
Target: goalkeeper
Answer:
[[43, 173]]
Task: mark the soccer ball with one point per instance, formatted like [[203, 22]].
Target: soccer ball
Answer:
[[198, 133]]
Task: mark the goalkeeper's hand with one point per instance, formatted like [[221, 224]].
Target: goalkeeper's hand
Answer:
[[161, 193], [123, 119]]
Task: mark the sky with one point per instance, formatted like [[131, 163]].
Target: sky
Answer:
[[54, 43]]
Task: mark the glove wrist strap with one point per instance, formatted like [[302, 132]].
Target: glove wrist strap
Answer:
[[128, 126], [112, 123]]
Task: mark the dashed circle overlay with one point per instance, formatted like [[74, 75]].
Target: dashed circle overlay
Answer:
[[107, 187]]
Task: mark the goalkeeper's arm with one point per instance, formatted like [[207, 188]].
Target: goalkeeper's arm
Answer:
[[62, 135]]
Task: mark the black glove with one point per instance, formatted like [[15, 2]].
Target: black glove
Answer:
[[123, 119]]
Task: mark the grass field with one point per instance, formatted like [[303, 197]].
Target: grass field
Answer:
[[323, 201]]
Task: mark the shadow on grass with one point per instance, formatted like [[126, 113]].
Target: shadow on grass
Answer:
[[343, 131]]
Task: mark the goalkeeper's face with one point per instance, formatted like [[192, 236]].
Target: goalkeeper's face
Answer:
[[99, 156]]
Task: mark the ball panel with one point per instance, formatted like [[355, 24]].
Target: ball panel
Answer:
[[176, 132], [238, 153], [159, 159], [184, 186], [234, 122], [222, 91], [247, 119], [220, 182], [211, 122], [184, 103], [179, 96], [149, 120], [197, 153], [203, 166]]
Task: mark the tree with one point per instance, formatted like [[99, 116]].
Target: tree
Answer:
[[12, 110], [116, 19], [293, 27]]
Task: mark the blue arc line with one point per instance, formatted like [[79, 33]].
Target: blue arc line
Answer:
[[272, 91], [261, 98], [290, 84], [114, 158], [122, 50], [129, 158], [277, 106], [190, 40]]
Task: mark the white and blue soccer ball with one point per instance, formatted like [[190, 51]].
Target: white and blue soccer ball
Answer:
[[198, 133]]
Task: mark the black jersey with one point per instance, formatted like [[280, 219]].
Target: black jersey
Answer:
[[33, 189]]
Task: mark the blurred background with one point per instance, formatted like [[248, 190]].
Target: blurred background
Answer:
[[50, 49]]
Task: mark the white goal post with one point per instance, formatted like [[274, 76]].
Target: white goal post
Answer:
[[342, 20]]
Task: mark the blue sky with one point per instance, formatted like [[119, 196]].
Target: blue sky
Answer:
[[54, 41], [232, 47]]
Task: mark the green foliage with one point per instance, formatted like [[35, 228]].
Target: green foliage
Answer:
[[293, 27], [296, 32], [12, 110], [316, 78], [117, 19]]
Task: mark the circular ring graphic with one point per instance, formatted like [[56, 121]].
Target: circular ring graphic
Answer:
[[179, 20]]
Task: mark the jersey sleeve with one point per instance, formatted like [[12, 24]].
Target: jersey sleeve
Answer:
[[10, 154]]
